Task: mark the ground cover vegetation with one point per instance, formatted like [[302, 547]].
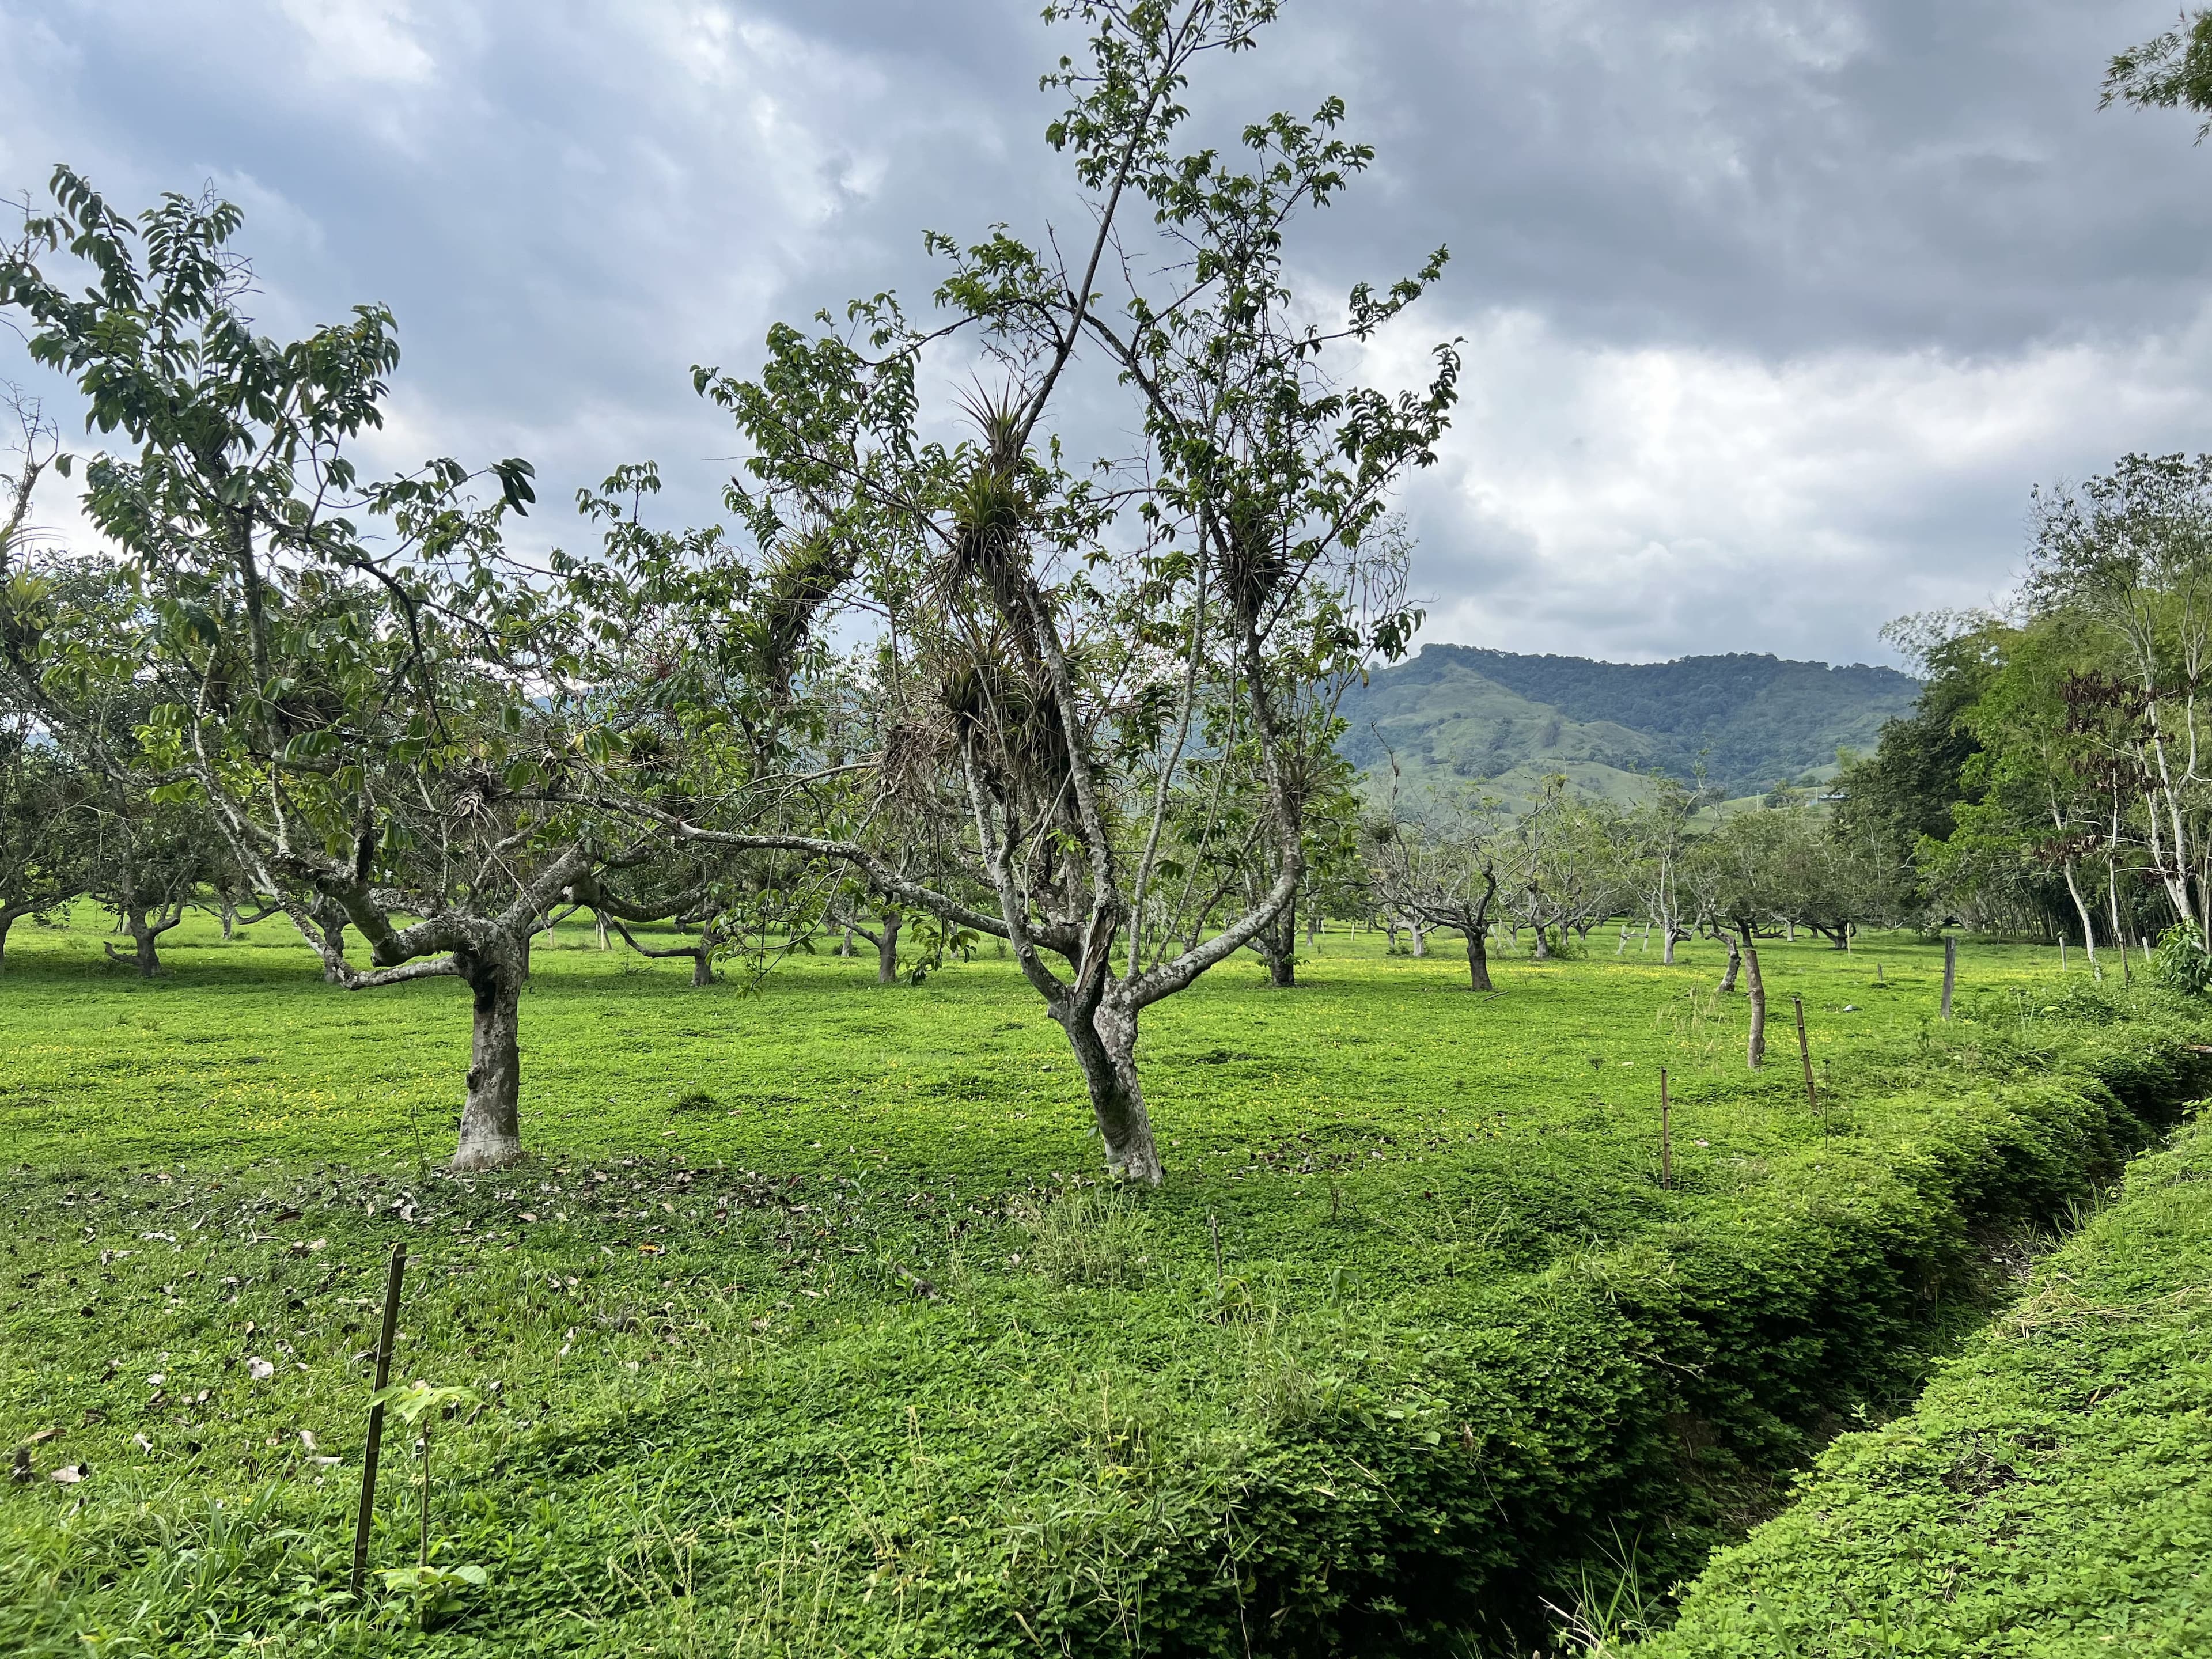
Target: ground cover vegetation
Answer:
[[2052, 1492], [1472, 1300], [802, 1332]]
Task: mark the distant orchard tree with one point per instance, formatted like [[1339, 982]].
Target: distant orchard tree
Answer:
[[46, 828], [1656, 840], [149, 859], [1441, 871], [1563, 862]]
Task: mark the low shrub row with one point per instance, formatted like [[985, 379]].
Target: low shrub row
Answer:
[[2051, 1493]]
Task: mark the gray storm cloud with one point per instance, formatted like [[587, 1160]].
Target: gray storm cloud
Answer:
[[1773, 311]]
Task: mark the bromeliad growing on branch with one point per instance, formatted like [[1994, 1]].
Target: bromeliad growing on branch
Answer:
[[1113, 691]]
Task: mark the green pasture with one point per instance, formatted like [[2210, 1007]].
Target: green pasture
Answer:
[[805, 1328]]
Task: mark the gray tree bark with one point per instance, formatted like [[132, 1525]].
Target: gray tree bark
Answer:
[[491, 1117], [1755, 1052], [1105, 1045]]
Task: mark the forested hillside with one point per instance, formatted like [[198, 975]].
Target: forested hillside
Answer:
[[1457, 713]]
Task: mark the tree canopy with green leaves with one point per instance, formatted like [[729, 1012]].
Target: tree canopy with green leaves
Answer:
[[393, 722]]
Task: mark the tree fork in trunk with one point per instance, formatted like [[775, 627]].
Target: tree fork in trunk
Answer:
[[145, 938]]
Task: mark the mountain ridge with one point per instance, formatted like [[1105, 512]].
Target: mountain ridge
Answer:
[[1456, 716]]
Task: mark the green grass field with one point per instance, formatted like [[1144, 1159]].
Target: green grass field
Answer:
[[806, 1327]]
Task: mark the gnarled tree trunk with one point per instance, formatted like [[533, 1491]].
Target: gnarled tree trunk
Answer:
[[10, 915], [1478, 961], [1105, 1045], [145, 925], [491, 1118]]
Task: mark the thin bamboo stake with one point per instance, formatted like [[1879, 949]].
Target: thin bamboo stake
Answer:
[[1666, 1136], [375, 1445], [1805, 1054]]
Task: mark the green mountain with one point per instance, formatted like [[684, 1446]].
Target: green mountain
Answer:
[[1457, 715]]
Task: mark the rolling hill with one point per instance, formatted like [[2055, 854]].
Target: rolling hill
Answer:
[[1457, 715]]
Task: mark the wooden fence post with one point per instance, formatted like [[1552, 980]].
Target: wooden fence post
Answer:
[[375, 1445], [1666, 1136], [1950, 970]]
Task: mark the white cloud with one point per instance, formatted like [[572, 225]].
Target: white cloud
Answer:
[[1775, 308], [366, 41], [1644, 502]]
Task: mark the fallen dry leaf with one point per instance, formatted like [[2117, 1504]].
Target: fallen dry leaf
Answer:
[[258, 1369], [69, 1473]]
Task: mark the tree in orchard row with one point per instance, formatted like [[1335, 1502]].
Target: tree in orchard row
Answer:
[[1093, 673], [65, 832], [44, 828], [1442, 873], [382, 715]]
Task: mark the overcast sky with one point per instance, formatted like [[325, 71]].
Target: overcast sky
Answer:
[[1773, 309]]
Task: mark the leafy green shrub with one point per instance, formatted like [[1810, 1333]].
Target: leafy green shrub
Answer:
[[2180, 962], [2085, 1002]]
